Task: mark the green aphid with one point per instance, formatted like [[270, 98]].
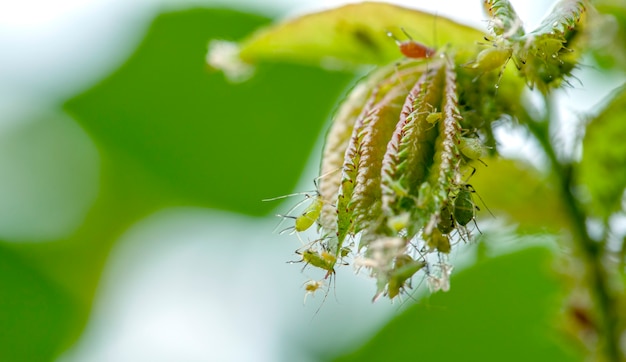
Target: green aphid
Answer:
[[446, 221], [310, 215], [434, 117], [492, 58], [405, 267], [464, 207], [312, 286], [323, 260], [399, 222], [548, 47], [345, 251], [471, 148], [436, 240]]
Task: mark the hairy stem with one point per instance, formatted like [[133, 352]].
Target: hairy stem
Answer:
[[592, 251]]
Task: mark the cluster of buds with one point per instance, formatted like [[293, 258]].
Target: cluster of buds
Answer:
[[396, 167], [394, 190]]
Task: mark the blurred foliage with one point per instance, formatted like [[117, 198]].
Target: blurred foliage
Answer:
[[510, 189], [36, 314], [200, 138], [610, 34], [603, 162], [168, 132], [501, 309]]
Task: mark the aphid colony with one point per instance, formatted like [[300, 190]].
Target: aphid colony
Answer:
[[394, 196]]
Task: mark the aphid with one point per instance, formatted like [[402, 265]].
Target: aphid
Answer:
[[307, 197], [399, 222], [412, 49], [471, 148], [309, 216], [434, 117], [446, 221], [495, 57], [464, 208], [405, 267], [311, 286], [345, 251], [323, 260], [492, 58], [436, 240]]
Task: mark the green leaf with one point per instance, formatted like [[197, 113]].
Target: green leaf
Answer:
[[502, 309], [353, 35], [609, 34], [36, 316], [168, 133], [517, 193], [603, 165], [201, 139]]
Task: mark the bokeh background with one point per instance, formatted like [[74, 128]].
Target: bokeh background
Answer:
[[131, 221]]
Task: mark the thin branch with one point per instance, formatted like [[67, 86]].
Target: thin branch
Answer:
[[593, 251]]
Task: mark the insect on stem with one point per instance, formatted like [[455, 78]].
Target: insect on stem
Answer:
[[411, 48]]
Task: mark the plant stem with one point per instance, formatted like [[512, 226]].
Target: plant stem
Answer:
[[592, 251]]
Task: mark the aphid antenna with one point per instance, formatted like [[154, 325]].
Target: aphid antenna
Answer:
[[406, 33], [326, 174], [306, 194], [392, 36], [473, 190], [310, 245], [409, 296], [417, 288]]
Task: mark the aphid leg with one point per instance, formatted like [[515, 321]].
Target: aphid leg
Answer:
[[502, 69], [307, 196]]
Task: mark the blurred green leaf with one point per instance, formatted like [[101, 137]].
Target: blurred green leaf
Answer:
[[49, 170], [562, 19], [609, 34], [520, 193], [603, 165], [35, 314], [205, 141], [169, 132], [502, 309], [353, 35]]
